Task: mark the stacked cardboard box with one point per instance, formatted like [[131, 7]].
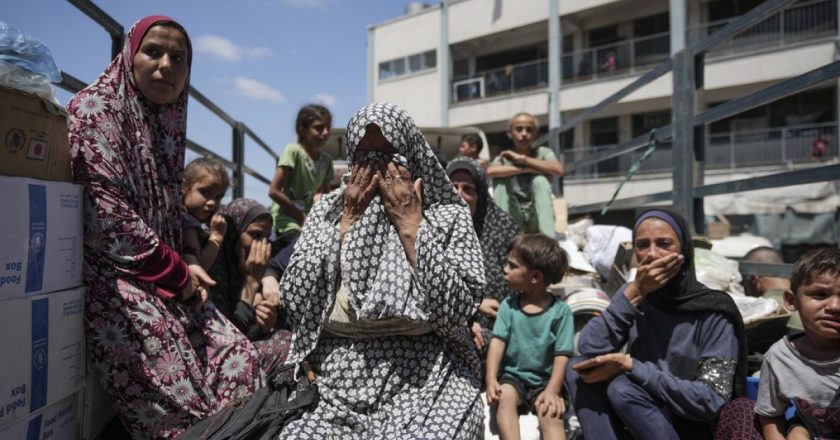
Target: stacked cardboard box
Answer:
[[41, 293]]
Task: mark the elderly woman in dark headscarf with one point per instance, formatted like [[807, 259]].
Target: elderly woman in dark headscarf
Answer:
[[686, 351], [495, 229], [379, 290], [239, 270]]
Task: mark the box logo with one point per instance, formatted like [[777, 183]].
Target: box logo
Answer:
[[37, 149], [33, 432], [15, 140], [37, 237], [40, 360]]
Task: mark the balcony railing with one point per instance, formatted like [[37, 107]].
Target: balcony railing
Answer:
[[617, 58], [783, 146], [804, 21], [790, 25]]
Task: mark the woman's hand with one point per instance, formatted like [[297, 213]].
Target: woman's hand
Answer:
[[197, 285], [402, 198], [550, 404], [218, 227], [478, 336], [364, 182], [257, 261], [651, 275], [604, 367], [266, 311], [489, 307]]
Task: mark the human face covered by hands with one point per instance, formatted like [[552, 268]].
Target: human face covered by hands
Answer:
[[658, 255], [254, 249]]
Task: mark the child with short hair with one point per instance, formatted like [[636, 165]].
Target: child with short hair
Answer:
[[532, 339], [203, 227], [521, 177], [303, 172], [805, 368]]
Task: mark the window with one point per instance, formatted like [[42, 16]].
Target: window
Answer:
[[410, 64]]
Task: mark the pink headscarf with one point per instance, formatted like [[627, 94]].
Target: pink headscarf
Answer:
[[129, 154]]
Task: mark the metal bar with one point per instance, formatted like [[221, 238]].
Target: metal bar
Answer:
[[677, 19], [788, 178], [444, 63], [769, 94], [205, 101], [612, 99], [630, 202], [194, 147], [637, 143], [743, 22], [113, 27], [765, 269], [554, 80], [238, 156], [682, 101], [261, 143], [71, 83]]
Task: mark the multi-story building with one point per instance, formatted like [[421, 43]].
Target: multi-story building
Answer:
[[496, 64]]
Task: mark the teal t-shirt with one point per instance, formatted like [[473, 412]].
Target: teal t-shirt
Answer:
[[306, 176], [533, 340]]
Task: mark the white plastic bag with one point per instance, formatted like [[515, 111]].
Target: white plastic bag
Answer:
[[717, 271], [602, 244]]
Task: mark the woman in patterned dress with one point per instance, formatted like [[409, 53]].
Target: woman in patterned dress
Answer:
[[238, 272], [165, 357], [379, 290], [495, 229]]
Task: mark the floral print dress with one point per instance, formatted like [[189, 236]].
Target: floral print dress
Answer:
[[164, 364]]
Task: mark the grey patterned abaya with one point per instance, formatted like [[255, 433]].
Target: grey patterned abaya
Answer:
[[382, 385]]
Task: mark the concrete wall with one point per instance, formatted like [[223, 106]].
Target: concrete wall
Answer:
[[418, 94]]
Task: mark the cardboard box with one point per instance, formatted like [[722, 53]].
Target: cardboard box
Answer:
[[34, 140], [97, 411], [720, 228], [621, 267], [40, 237], [58, 421], [43, 354]]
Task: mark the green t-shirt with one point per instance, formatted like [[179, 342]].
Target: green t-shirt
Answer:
[[304, 179], [533, 340]]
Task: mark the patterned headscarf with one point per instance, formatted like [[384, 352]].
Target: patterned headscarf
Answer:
[[371, 264], [129, 152], [495, 229]]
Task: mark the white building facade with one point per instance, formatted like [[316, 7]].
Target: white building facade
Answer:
[[478, 62]]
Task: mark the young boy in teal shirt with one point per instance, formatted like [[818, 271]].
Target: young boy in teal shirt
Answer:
[[532, 341]]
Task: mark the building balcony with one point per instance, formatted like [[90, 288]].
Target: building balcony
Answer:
[[771, 147], [804, 22]]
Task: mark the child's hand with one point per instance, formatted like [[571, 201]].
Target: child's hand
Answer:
[[218, 227], [798, 432], [494, 392], [550, 404], [489, 307]]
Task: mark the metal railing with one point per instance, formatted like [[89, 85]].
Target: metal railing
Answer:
[[617, 58], [514, 78], [239, 129], [800, 22], [789, 25], [781, 146], [687, 131]]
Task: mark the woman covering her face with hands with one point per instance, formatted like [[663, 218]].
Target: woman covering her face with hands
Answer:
[[239, 270], [165, 357], [685, 357], [379, 290]]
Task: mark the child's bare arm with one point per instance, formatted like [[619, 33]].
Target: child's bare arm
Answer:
[[772, 428], [218, 227], [494, 362], [549, 401], [798, 432], [271, 288], [190, 247]]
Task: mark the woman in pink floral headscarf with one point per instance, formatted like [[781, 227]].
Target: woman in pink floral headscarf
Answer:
[[166, 358]]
